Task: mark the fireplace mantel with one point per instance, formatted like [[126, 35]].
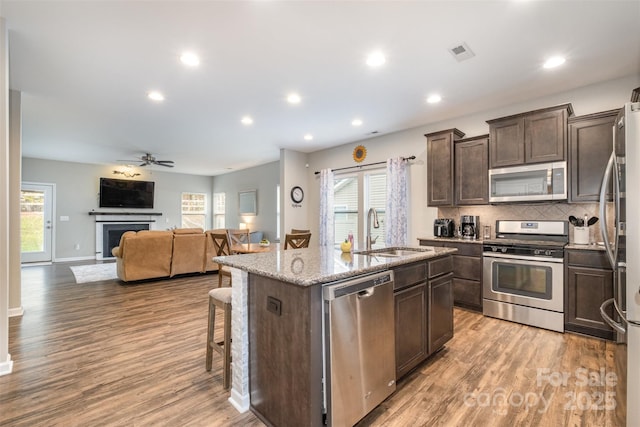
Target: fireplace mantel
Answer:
[[125, 213]]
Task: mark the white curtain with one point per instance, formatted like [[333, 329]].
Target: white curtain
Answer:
[[397, 207], [326, 208]]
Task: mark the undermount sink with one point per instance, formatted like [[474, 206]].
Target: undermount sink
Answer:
[[392, 252]]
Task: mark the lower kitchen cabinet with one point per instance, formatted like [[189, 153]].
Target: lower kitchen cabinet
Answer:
[[467, 271], [423, 297], [588, 283]]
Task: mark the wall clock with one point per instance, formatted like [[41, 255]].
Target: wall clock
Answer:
[[297, 195], [359, 153]]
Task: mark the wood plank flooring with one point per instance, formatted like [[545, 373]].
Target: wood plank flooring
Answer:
[[108, 354]]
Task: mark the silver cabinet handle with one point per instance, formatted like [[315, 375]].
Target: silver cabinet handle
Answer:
[[619, 327]]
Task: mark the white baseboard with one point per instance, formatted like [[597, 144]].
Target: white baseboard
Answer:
[[16, 311], [78, 258], [241, 403], [6, 367]]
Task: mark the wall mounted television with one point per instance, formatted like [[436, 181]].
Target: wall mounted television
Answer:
[[122, 193]]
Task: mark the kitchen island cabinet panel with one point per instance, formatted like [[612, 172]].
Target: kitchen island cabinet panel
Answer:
[[286, 352], [440, 312], [411, 328]]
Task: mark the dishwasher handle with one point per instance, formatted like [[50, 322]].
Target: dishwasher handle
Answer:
[[363, 286]]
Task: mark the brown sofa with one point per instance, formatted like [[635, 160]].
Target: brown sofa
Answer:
[[151, 254]]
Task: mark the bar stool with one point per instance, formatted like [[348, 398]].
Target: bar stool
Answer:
[[297, 241], [221, 298]]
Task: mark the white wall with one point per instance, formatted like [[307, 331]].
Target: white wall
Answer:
[[590, 99], [293, 172], [77, 187], [15, 170], [262, 178]]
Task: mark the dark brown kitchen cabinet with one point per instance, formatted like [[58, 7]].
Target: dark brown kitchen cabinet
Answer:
[[472, 171], [423, 299], [467, 271], [588, 283], [440, 177], [538, 136], [590, 145], [440, 311]]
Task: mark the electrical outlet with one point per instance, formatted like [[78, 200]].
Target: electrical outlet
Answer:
[[76, 246]]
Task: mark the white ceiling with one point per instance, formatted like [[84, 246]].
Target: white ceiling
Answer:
[[84, 69]]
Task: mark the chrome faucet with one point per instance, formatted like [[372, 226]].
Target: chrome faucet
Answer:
[[376, 224]]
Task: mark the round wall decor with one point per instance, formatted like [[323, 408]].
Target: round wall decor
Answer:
[[297, 195], [359, 153]]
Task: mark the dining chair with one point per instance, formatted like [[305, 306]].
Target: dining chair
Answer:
[[297, 241], [238, 236], [222, 248], [298, 231]]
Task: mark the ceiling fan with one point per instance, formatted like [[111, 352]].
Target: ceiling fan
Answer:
[[149, 159]]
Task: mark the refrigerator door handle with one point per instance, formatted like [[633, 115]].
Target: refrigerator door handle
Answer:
[[603, 211], [618, 327]]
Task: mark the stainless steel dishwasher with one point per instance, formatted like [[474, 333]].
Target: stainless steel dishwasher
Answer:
[[359, 356]]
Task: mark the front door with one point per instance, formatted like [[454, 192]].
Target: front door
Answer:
[[36, 222]]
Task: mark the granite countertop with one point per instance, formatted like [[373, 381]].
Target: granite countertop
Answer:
[[311, 266], [451, 239]]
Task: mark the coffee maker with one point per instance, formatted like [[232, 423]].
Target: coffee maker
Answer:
[[469, 226]]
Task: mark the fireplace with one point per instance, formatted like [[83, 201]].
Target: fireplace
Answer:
[[111, 226], [111, 234]]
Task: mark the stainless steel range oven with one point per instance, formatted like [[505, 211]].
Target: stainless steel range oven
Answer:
[[524, 273]]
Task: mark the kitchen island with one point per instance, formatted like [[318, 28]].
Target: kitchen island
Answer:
[[277, 321]]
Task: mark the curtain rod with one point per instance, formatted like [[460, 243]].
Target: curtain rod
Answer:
[[368, 164]]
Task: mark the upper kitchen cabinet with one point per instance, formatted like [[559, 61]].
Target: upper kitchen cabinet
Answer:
[[471, 171], [538, 136], [440, 155], [590, 145]]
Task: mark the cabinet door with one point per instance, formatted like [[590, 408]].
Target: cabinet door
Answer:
[[506, 143], [472, 172], [411, 328], [440, 312], [440, 169], [590, 145], [586, 290], [545, 137]]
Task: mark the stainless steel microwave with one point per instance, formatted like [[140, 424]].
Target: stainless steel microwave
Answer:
[[529, 183]]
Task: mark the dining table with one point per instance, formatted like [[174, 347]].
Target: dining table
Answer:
[[252, 248]]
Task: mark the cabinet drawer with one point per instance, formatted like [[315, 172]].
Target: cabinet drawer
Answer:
[[408, 275], [592, 259], [466, 267], [440, 266]]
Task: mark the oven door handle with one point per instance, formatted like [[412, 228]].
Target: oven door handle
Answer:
[[617, 326], [522, 257]]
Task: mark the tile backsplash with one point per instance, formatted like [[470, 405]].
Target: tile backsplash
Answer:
[[542, 211]]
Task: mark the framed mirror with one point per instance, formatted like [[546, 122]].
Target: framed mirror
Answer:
[[247, 204]]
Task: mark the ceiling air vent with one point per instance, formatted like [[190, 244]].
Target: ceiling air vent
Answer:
[[461, 52]]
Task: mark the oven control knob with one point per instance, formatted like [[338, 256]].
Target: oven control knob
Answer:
[[494, 249], [547, 253], [536, 252], [504, 250]]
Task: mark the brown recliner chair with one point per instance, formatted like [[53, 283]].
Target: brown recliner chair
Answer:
[[188, 246], [144, 254]]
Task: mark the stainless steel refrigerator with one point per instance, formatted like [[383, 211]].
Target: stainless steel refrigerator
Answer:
[[623, 250]]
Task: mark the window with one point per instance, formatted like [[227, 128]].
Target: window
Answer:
[[194, 210], [366, 189], [218, 210]]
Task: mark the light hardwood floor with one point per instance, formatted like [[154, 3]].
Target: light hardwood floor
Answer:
[[108, 354]]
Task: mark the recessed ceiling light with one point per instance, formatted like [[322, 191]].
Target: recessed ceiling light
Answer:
[[154, 95], [434, 99], [308, 137], [190, 59], [356, 122], [247, 120], [554, 61], [376, 59], [294, 98]]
